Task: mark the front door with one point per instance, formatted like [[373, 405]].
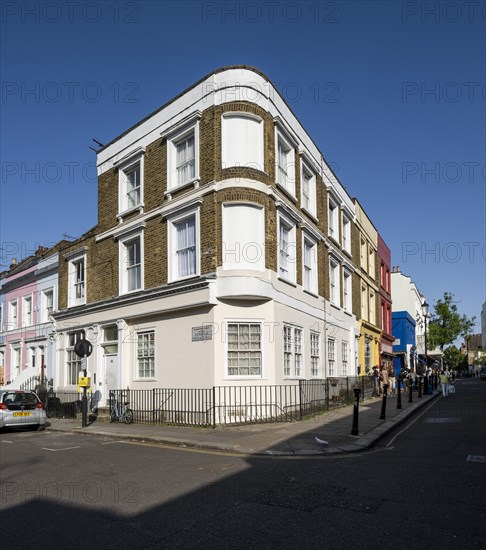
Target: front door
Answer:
[[108, 380]]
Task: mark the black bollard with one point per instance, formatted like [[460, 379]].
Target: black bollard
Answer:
[[354, 430], [410, 389], [399, 394], [426, 384], [383, 403], [419, 386]]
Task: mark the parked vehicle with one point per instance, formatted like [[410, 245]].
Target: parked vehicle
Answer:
[[20, 408]]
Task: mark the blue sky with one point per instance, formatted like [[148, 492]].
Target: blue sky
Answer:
[[393, 93]]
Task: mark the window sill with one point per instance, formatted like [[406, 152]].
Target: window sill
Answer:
[[151, 379], [311, 293], [77, 304], [125, 213], [230, 378], [287, 281], [311, 215], [192, 183], [181, 279], [333, 240], [128, 292], [288, 193], [336, 306]]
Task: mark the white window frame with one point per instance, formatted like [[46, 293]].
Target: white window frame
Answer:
[[315, 356], [247, 254], [345, 357], [308, 200], [287, 266], [334, 282], [45, 311], [309, 264], [371, 263], [72, 360], [285, 175], [333, 217], [131, 164], [363, 253], [372, 309], [123, 267], [151, 357], [258, 163], [347, 291], [331, 356], [13, 320], [182, 133], [293, 350], [227, 350], [74, 283], [172, 221], [346, 234], [27, 316], [106, 344], [364, 303]]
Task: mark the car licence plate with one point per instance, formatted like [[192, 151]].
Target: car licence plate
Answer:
[[22, 414]]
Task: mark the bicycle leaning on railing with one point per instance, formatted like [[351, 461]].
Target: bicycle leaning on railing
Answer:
[[121, 413]]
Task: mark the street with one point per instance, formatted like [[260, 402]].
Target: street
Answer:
[[422, 486]]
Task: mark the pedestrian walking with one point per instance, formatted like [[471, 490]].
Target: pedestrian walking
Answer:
[[392, 381], [384, 379], [444, 383]]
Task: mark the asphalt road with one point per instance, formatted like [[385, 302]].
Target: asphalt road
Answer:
[[424, 486]]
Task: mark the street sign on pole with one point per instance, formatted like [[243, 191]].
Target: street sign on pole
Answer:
[[83, 348]]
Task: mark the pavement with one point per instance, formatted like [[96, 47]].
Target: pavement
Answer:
[[299, 438]]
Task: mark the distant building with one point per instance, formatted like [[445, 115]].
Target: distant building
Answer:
[[473, 348], [403, 327], [387, 338], [407, 298], [367, 280], [28, 297]]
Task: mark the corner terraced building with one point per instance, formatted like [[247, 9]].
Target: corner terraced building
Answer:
[[224, 251]]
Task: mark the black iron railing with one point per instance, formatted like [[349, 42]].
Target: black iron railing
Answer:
[[230, 405]]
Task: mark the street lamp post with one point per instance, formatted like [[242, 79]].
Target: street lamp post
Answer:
[[425, 311]]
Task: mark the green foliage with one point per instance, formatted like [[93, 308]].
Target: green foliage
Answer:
[[453, 357], [447, 324]]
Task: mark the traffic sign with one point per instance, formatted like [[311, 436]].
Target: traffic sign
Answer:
[[83, 348]]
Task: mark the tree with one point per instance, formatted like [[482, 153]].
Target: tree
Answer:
[[454, 358], [447, 324]]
